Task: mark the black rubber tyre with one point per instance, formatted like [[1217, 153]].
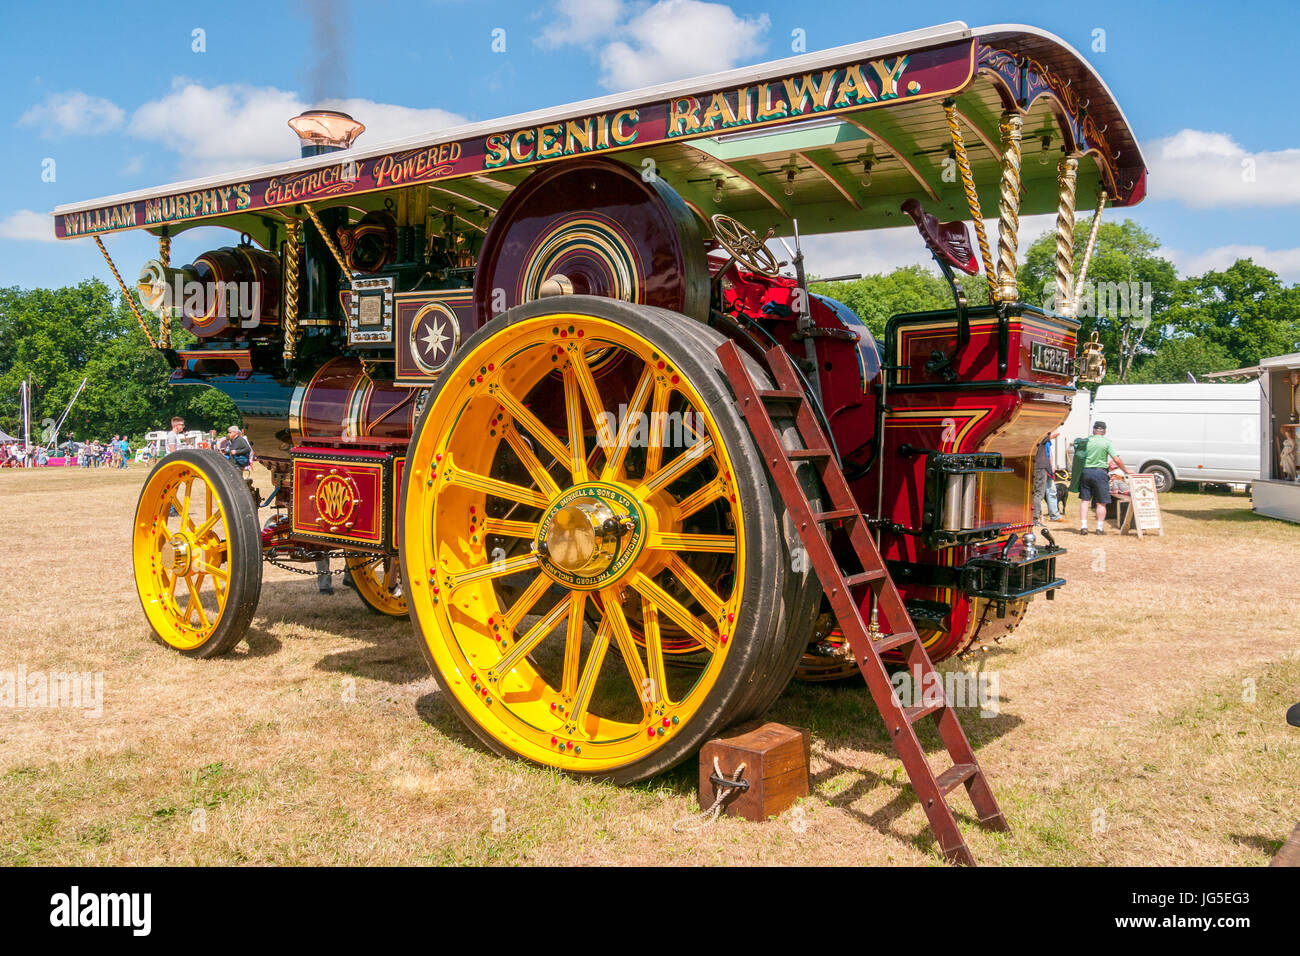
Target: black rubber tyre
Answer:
[[240, 553], [776, 613], [1164, 476]]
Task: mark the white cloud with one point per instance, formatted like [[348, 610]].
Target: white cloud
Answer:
[[28, 226], [1205, 169], [581, 22], [73, 112], [667, 40], [1285, 262], [228, 127]]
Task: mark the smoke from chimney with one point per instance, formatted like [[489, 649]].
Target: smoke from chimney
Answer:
[[329, 69]]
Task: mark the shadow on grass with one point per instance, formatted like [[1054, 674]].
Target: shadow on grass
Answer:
[[1266, 845], [1243, 514]]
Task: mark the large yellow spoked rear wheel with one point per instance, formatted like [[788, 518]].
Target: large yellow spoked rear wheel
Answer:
[[197, 553], [595, 561], [378, 581]]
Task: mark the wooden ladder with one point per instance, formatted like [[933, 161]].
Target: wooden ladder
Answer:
[[867, 643]]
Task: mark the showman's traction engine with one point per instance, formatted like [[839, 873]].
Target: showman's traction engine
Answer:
[[559, 388]]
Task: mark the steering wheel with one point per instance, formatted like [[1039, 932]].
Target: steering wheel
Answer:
[[743, 245]]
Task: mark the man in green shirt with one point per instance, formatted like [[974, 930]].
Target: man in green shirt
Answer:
[[1094, 484]]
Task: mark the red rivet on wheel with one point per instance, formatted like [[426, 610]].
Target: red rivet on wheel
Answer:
[[724, 638], [564, 335], [552, 707], [675, 379], [479, 378], [579, 333], [491, 367], [661, 366], [666, 721], [438, 457], [435, 589], [473, 677], [554, 741], [731, 618], [650, 732]]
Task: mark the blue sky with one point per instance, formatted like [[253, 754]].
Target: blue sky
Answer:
[[117, 97]]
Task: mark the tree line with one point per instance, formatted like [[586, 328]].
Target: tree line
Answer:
[[59, 336], [1154, 327]]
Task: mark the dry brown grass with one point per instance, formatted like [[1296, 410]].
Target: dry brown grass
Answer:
[[1125, 696]]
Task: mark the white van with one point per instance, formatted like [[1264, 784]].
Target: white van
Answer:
[[1185, 432]]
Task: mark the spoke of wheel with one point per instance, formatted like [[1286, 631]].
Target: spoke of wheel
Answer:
[[635, 408], [628, 649], [654, 652], [524, 603], [533, 637], [532, 424], [494, 569], [573, 645], [590, 671], [677, 467], [185, 511], [169, 504], [713, 543], [654, 453], [198, 600], [207, 525], [709, 599], [669, 605], [220, 580], [700, 499], [524, 452], [494, 486], [510, 529], [190, 604], [573, 416], [595, 405]]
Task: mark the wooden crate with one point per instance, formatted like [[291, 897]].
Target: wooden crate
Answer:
[[776, 767]]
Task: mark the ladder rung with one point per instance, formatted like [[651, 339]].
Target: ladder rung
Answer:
[[780, 395], [955, 776], [853, 580], [891, 641], [913, 714], [803, 454], [839, 515]]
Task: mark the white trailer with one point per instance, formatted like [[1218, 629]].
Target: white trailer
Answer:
[[1184, 432], [1276, 492]]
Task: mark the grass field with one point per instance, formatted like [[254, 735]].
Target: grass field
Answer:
[[1141, 722]]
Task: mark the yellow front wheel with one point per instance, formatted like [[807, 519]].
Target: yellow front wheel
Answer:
[[196, 552], [594, 557], [378, 580]]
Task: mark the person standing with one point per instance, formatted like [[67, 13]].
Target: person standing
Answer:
[[1094, 478], [238, 448], [1044, 486], [176, 437]]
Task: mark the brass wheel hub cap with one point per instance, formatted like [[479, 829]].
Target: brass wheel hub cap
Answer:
[[176, 553], [590, 536]]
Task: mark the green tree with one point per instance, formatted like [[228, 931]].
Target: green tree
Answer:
[[59, 336], [1179, 357], [1244, 309], [1129, 288], [907, 289]]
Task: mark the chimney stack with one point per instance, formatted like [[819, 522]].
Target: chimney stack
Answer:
[[325, 131]]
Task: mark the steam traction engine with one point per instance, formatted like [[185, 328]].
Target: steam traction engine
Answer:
[[491, 371]]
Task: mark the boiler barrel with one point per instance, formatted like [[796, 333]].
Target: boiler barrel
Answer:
[[341, 401]]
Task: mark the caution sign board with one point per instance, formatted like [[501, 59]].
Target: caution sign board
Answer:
[[1144, 506]]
